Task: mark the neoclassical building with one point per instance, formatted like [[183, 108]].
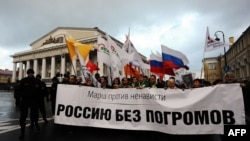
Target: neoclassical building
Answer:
[[5, 76], [49, 57]]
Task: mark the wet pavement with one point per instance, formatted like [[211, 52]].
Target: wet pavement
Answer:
[[10, 129]]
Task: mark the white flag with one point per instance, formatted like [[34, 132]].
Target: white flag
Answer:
[[212, 44], [116, 57], [103, 53], [129, 48], [86, 74]]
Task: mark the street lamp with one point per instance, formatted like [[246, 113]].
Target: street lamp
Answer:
[[225, 68]]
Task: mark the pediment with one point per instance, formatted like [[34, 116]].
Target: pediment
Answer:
[[57, 36]]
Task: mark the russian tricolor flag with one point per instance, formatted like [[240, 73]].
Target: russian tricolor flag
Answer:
[[156, 66], [173, 58], [156, 63]]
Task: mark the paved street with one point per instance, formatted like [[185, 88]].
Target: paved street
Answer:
[[9, 129]]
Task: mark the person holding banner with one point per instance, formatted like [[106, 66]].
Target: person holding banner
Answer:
[[125, 83], [53, 91], [72, 80], [153, 83], [88, 83], [142, 82], [229, 77], [134, 82], [79, 80], [116, 83], [197, 83], [171, 84], [104, 82], [217, 81], [161, 82], [65, 79], [245, 85]]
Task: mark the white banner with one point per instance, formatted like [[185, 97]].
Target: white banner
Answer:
[[197, 111]]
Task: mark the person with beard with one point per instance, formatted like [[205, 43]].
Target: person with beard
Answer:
[[153, 82]]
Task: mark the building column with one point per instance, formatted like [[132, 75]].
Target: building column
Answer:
[[27, 65], [35, 66], [63, 64], [24, 70], [73, 68], [20, 72], [52, 69], [14, 73], [43, 68]]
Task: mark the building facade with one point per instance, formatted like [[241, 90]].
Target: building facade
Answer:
[[5, 76], [49, 57], [212, 69], [237, 58]]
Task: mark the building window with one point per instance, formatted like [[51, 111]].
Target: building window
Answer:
[[105, 69], [211, 66]]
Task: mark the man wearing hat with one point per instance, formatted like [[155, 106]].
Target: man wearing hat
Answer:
[[29, 95]]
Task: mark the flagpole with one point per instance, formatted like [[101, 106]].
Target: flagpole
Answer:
[[203, 62], [111, 78], [74, 70], [83, 72], [129, 51], [130, 71], [83, 68], [110, 69], [96, 75]]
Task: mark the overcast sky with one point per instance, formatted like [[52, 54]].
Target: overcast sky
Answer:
[[178, 24]]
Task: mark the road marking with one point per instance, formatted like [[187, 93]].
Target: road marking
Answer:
[[7, 127]]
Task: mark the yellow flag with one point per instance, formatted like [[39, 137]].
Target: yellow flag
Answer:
[[71, 48], [84, 49]]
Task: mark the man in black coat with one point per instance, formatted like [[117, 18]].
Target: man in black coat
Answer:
[[29, 96]]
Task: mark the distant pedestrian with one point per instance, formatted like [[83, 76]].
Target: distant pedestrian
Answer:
[[43, 94], [17, 93]]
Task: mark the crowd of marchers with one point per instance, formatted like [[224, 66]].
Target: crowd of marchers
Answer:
[[31, 92], [143, 81]]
